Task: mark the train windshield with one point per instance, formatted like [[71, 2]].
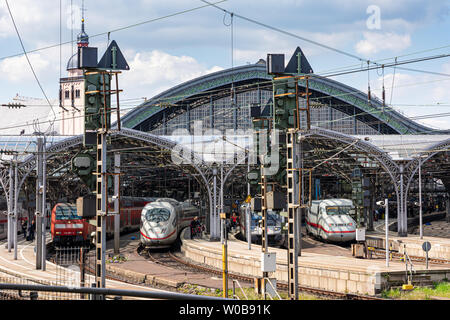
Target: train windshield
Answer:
[[273, 219], [255, 219], [157, 215], [338, 210], [66, 212]]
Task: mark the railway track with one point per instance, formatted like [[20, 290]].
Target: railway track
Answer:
[[280, 285], [170, 260], [382, 252]]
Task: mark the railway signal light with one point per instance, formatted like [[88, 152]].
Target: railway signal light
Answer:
[[285, 102], [97, 101], [83, 165]]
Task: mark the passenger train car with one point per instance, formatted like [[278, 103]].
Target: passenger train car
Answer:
[[163, 220], [4, 224], [331, 220], [68, 228], [274, 225]]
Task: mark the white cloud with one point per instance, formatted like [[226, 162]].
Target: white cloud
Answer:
[[155, 71], [16, 69], [378, 42], [417, 94]]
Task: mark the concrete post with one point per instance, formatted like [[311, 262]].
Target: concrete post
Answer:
[[386, 215], [44, 207], [10, 207], [38, 224], [117, 203], [214, 212], [222, 221], [16, 198], [248, 213], [420, 203], [402, 223]]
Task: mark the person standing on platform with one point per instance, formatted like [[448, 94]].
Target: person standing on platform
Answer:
[[24, 228], [195, 224], [31, 230], [234, 221]]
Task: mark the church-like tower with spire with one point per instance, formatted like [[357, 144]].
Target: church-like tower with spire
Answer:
[[71, 91]]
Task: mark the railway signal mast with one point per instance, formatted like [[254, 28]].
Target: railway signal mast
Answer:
[[98, 78], [289, 121]]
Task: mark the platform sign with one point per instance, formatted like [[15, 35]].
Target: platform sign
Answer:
[[113, 59], [426, 246]]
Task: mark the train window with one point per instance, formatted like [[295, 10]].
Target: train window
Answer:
[[273, 219], [66, 212], [255, 219], [157, 215], [338, 210]]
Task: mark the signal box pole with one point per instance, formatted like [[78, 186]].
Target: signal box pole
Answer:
[[98, 91]]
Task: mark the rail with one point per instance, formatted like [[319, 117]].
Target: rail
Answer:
[[281, 285], [99, 293]]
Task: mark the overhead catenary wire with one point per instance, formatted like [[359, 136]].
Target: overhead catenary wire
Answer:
[[231, 110], [116, 29], [29, 62]]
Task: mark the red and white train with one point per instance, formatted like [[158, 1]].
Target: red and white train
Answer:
[[67, 228], [4, 225]]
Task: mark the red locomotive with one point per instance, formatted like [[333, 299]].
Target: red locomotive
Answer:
[[67, 228]]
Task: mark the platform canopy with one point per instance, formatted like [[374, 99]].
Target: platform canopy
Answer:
[[405, 147]]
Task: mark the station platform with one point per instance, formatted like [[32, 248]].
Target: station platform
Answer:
[[412, 245], [435, 232], [329, 272]]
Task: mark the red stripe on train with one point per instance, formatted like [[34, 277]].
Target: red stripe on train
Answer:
[[158, 238], [327, 231]]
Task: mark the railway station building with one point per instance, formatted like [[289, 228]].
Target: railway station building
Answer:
[[385, 145]]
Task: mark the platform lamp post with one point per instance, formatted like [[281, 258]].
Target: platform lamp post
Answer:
[[16, 198], [248, 213], [44, 206], [385, 204], [213, 214], [11, 206], [420, 199], [39, 204], [223, 217]]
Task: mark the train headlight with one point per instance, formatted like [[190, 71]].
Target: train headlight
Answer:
[[350, 224], [79, 232], [277, 228], [57, 232]]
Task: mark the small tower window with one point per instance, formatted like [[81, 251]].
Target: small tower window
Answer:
[[67, 94], [77, 93]]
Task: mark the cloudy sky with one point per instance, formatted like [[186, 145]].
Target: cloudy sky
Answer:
[[176, 47]]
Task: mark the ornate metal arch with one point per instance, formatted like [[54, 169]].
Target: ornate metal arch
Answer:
[[413, 165], [381, 156]]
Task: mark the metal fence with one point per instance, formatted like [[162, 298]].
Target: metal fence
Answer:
[[73, 268]]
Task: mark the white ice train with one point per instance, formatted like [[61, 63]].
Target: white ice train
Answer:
[[274, 222], [163, 220], [331, 220]]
